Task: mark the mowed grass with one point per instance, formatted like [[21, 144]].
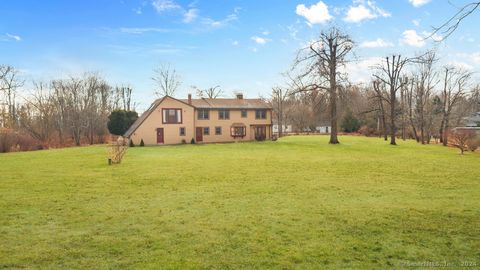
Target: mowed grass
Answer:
[[297, 203]]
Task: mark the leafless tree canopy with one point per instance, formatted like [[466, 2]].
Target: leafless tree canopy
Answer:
[[320, 66], [211, 92], [167, 80], [447, 28]]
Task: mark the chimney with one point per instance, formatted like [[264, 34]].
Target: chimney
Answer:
[[190, 99], [239, 96]]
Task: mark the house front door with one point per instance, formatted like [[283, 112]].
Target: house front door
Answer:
[[160, 138], [199, 134], [260, 133]]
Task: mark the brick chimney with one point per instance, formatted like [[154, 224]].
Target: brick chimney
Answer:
[[239, 96], [190, 99]]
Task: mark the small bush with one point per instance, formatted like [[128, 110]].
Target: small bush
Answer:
[[367, 131], [473, 144], [350, 123], [192, 141], [131, 144], [183, 141], [142, 144]]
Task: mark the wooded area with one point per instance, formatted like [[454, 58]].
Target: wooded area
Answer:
[[409, 97]]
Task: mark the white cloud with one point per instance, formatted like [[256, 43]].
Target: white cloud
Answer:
[[460, 65], [220, 23], [259, 40], [417, 3], [416, 22], [265, 33], [378, 43], [361, 71], [364, 10], [190, 15], [316, 14], [143, 30], [411, 38], [164, 5], [10, 37], [235, 43]]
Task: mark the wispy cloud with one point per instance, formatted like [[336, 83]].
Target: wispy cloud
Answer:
[[418, 3], [165, 5], [191, 15], [378, 43], [10, 37], [364, 10], [223, 22], [259, 40], [140, 30]]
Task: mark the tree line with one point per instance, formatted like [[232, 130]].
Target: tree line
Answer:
[[59, 112], [408, 97]]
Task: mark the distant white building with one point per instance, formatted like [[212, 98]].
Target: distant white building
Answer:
[[324, 129], [472, 121], [285, 129]]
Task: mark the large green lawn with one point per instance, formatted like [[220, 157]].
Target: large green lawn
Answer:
[[297, 203]]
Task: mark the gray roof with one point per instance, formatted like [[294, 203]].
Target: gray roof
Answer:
[[228, 103]]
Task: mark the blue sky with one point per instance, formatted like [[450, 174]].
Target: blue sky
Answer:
[[239, 45]]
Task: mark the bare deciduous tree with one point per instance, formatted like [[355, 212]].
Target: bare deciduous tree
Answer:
[[167, 80], [390, 72], [454, 89], [279, 98], [324, 59]]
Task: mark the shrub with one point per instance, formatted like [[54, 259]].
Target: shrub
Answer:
[[131, 144], [183, 141], [350, 123], [16, 141], [192, 141], [473, 144], [461, 137], [142, 144], [367, 131], [119, 121]]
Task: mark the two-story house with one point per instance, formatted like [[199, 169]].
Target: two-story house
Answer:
[[175, 121]]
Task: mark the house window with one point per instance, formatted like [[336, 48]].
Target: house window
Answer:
[[261, 114], [172, 116], [238, 131], [206, 131], [203, 114], [182, 131], [218, 130], [244, 113], [223, 114]]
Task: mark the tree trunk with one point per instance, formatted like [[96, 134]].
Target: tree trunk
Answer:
[[393, 129], [445, 133], [333, 94]]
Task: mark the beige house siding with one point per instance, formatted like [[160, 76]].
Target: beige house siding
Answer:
[[148, 129], [235, 117]]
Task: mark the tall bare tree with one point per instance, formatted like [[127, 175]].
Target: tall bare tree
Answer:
[[324, 59], [390, 72], [279, 98], [9, 83], [425, 80], [167, 80], [455, 81], [381, 96]]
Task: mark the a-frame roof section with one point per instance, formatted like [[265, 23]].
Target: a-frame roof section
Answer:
[[147, 113]]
